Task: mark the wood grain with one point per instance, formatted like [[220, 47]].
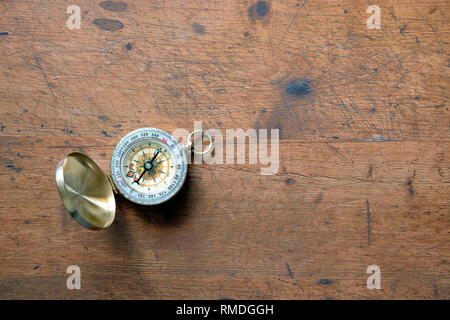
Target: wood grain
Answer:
[[364, 150]]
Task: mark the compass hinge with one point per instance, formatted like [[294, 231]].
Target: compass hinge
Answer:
[[110, 180]]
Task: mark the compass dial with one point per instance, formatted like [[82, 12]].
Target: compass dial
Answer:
[[148, 166]]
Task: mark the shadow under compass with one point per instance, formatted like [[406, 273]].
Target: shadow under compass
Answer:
[[172, 212]]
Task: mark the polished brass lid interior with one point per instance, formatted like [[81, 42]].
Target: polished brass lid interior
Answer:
[[85, 191]]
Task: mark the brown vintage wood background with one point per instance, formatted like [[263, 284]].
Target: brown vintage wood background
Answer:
[[364, 153]]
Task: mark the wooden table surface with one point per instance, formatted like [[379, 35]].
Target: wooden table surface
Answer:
[[364, 147]]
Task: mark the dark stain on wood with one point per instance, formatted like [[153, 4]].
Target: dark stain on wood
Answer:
[[436, 290], [106, 134], [319, 198], [259, 10], [108, 24], [289, 181], [21, 156], [409, 184], [324, 282], [198, 28], [12, 167], [115, 6], [3, 33], [370, 172], [402, 28], [410, 187], [103, 117], [128, 46], [298, 87]]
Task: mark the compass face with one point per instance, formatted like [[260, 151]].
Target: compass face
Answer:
[[148, 166]]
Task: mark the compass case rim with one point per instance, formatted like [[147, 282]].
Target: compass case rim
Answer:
[[92, 205], [117, 156]]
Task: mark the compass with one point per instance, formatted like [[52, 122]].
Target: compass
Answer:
[[148, 167]]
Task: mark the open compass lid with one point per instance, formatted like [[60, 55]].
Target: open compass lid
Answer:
[[85, 191]]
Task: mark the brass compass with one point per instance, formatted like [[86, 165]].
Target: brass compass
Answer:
[[148, 167]]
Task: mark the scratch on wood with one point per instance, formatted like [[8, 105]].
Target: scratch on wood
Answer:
[[291, 275], [379, 138], [289, 271], [49, 84]]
